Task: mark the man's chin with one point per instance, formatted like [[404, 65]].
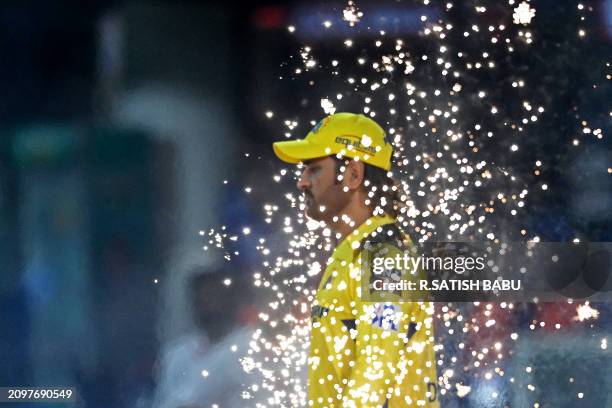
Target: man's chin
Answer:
[[316, 215], [313, 213]]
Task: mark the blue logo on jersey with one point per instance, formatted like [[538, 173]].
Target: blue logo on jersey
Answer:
[[385, 317]]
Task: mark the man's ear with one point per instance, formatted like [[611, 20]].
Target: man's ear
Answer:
[[353, 175]]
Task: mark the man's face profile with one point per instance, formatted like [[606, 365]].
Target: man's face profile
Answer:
[[323, 194]]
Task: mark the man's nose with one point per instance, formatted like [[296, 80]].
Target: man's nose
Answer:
[[303, 183]]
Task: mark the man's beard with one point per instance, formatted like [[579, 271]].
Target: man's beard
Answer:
[[318, 211], [308, 199], [310, 206]]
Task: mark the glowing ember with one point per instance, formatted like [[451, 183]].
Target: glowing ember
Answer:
[[523, 13], [351, 14], [462, 390], [586, 312], [328, 106]]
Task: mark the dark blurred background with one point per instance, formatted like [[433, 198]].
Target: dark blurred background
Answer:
[[118, 122]]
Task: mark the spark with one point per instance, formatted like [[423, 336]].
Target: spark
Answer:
[[462, 390], [328, 106], [586, 312], [351, 14], [523, 14]]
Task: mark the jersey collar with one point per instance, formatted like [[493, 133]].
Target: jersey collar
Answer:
[[351, 242]]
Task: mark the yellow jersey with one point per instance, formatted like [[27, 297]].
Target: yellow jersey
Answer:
[[369, 354]]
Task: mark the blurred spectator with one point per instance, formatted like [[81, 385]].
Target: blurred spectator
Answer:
[[202, 368]]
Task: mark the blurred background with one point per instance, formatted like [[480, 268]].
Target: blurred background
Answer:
[[119, 122]]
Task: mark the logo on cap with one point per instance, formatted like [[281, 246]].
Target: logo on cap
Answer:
[[319, 125]]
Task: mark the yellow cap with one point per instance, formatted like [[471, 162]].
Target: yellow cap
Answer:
[[347, 134]]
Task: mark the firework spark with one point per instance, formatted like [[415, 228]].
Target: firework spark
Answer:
[[523, 14]]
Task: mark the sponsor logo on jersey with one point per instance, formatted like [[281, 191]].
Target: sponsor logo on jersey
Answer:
[[318, 312]]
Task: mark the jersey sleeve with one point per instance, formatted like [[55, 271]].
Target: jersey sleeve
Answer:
[[393, 346]]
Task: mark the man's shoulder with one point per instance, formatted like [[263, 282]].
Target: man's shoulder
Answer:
[[390, 234]]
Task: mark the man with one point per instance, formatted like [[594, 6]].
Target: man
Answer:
[[362, 354], [202, 367]]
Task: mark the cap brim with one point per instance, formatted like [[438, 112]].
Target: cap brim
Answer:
[[295, 151]]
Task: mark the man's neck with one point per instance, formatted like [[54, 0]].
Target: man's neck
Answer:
[[356, 217]]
